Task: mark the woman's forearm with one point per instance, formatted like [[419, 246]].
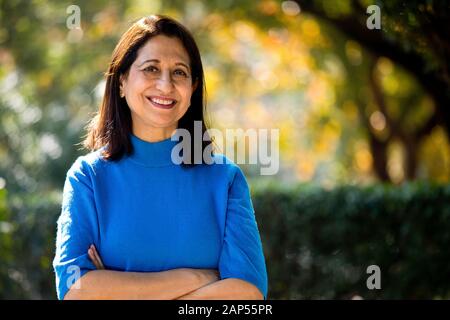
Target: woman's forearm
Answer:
[[170, 284], [234, 289]]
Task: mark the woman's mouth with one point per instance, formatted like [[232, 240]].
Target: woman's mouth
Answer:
[[162, 103]]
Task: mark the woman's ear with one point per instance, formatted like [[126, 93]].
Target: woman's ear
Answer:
[[122, 82], [194, 86]]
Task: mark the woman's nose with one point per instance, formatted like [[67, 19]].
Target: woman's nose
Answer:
[[164, 83]]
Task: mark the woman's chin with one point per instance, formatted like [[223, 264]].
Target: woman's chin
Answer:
[[162, 123]]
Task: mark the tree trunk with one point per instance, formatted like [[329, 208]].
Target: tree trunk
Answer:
[[379, 155]]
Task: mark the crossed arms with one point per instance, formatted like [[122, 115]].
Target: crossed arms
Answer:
[[183, 284]]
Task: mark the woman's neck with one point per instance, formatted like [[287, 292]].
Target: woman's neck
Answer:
[[154, 134]]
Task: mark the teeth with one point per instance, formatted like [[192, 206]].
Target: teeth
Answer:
[[161, 101]]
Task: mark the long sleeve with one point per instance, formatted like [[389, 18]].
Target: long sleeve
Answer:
[[242, 254], [77, 228]]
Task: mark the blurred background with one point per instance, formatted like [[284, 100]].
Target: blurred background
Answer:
[[363, 116]]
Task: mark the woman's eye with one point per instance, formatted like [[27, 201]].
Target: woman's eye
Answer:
[[150, 69], [180, 73]]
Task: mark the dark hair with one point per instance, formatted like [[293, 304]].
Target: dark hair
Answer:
[[111, 126]]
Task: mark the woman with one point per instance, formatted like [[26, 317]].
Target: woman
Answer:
[[136, 225]]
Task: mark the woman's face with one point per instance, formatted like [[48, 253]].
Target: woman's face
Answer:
[[158, 86]]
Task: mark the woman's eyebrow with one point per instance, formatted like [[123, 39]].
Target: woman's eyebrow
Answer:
[[157, 61]]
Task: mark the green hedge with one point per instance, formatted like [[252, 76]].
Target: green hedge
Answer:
[[317, 243], [27, 244]]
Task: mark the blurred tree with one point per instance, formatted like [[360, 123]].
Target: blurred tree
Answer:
[[399, 55], [414, 35]]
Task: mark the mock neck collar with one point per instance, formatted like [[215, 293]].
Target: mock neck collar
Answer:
[[152, 154]]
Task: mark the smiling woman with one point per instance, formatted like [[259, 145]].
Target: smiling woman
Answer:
[[136, 225], [158, 87]]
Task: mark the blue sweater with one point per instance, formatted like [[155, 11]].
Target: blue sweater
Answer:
[[146, 214]]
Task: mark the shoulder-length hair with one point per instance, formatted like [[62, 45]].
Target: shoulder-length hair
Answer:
[[111, 126]]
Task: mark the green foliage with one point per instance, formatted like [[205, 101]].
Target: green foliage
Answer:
[[27, 241], [318, 243]]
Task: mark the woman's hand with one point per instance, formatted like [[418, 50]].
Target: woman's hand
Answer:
[[95, 258], [208, 275]]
